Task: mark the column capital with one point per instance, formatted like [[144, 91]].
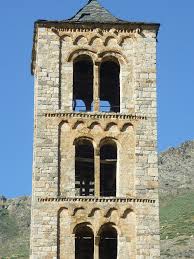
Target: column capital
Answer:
[[97, 63]]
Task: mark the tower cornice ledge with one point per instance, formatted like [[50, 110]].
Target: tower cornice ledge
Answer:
[[95, 115], [97, 199]]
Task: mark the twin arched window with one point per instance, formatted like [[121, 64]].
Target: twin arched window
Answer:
[[84, 242], [107, 92], [85, 172]]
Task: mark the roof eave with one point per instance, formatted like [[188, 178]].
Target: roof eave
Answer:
[[119, 22]]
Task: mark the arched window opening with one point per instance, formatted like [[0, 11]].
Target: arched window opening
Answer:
[[108, 165], [110, 86], [84, 243], [82, 83], [108, 243], [84, 168]]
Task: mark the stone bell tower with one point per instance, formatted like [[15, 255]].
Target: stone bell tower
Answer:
[[95, 173]]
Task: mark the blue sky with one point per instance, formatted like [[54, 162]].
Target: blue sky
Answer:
[[175, 75]]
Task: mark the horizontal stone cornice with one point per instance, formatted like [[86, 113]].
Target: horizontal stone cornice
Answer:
[[96, 115], [97, 200]]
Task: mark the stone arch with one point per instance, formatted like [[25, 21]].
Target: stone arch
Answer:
[[63, 122], [67, 38], [61, 210], [108, 39], [109, 211], [78, 39], [75, 210], [95, 127], [110, 125], [122, 40], [92, 212], [126, 126], [63, 125], [95, 123], [126, 212], [93, 39], [108, 140], [111, 224], [82, 224], [114, 54], [82, 51], [80, 138], [77, 124]]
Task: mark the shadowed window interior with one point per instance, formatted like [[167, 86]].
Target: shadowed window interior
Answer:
[[82, 83], [84, 168], [84, 243], [108, 165], [110, 86], [108, 243]]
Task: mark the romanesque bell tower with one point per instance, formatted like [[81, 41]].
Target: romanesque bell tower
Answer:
[[95, 173]]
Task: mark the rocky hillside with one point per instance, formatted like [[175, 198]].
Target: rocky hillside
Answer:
[[176, 166]]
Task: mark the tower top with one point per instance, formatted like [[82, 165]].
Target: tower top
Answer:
[[94, 12], [92, 15]]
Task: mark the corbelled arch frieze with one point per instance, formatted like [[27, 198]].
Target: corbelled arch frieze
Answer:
[[90, 35], [88, 211], [103, 125]]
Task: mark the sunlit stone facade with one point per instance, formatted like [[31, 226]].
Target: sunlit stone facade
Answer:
[[95, 173]]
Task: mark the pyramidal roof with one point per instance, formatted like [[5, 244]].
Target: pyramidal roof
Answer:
[[94, 12]]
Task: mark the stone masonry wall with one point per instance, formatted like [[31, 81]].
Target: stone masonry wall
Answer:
[[56, 127]]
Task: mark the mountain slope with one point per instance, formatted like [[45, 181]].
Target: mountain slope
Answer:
[[176, 170]]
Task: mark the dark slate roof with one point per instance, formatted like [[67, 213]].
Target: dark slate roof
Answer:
[[94, 12]]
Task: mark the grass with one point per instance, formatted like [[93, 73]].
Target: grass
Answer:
[[177, 216], [14, 243], [8, 227]]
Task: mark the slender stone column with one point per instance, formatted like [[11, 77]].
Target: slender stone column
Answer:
[[97, 172], [96, 87], [96, 247]]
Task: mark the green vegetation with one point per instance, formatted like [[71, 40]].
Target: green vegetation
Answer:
[[8, 226], [177, 217], [14, 233]]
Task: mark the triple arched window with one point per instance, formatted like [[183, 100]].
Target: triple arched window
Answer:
[[89, 176], [103, 88]]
